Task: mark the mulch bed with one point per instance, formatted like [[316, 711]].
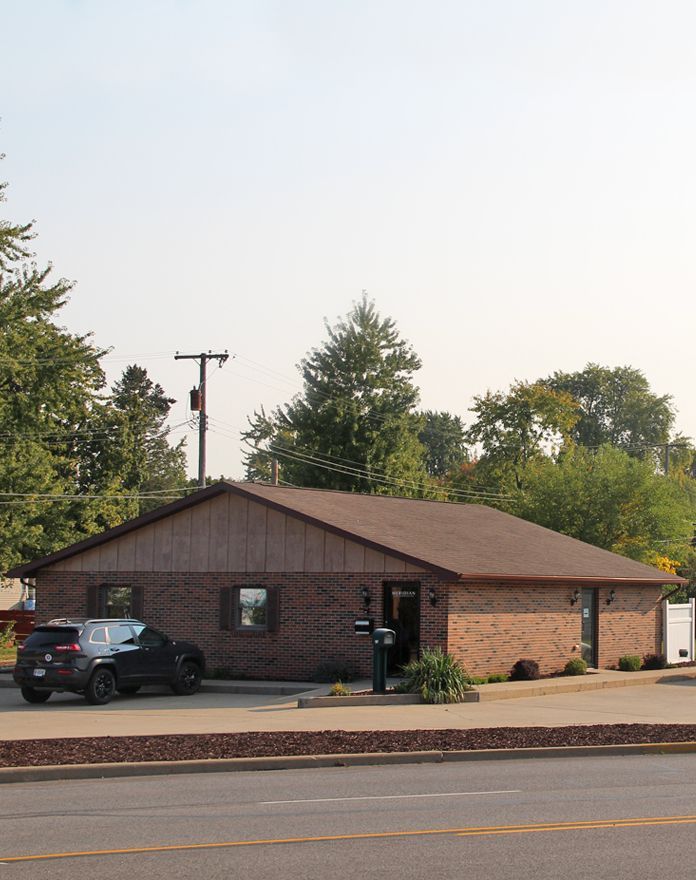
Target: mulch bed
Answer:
[[186, 747]]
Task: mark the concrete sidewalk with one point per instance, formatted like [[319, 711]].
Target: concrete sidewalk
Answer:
[[667, 696], [603, 679]]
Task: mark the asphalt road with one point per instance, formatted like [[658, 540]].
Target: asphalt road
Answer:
[[617, 818]]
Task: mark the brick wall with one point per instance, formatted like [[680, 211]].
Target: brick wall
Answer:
[[491, 626], [632, 624], [487, 627], [317, 614]]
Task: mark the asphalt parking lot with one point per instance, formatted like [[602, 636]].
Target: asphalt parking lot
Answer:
[[157, 711]]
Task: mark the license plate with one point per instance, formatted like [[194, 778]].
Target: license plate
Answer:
[[39, 673]]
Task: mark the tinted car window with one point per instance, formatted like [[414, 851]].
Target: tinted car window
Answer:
[[46, 638], [149, 637], [99, 636], [121, 635]]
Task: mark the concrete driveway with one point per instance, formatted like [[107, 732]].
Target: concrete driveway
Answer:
[[155, 711]]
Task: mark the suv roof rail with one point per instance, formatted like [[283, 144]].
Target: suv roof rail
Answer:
[[63, 621]]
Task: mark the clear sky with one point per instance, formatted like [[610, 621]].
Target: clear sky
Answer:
[[513, 181]]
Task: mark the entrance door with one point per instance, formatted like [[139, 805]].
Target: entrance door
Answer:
[[402, 614], [588, 635]]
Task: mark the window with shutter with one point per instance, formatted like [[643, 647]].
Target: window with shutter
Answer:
[[113, 601], [253, 608]]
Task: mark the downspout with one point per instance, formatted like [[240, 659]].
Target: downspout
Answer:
[[27, 586], [671, 593]]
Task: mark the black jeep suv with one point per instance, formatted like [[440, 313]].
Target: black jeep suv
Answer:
[[99, 657]]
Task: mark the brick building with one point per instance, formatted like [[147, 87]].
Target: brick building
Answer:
[[270, 581]]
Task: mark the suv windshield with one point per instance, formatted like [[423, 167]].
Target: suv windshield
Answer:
[[48, 637]]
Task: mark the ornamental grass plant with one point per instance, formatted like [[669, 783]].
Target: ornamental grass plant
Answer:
[[437, 677], [338, 689]]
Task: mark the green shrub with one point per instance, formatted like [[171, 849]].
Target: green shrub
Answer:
[[575, 666], [654, 661], [401, 687], [629, 663], [7, 634], [338, 689], [334, 670], [437, 677], [493, 678], [525, 670]]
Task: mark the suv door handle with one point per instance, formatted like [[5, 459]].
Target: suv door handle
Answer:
[[114, 650]]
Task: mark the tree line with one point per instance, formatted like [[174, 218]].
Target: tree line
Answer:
[[592, 454], [76, 457]]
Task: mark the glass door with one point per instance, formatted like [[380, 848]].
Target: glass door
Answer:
[[402, 614], [588, 635]]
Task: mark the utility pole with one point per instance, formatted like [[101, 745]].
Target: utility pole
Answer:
[[198, 402], [668, 447]]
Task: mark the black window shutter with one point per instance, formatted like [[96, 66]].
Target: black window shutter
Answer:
[[273, 609], [225, 608], [137, 602], [93, 601]]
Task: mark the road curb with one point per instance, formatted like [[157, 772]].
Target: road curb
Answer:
[[65, 772]]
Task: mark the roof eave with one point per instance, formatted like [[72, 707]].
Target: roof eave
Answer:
[[469, 578]]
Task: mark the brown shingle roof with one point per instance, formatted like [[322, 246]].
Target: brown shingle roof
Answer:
[[466, 541], [470, 541]]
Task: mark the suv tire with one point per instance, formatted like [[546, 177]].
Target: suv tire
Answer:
[[31, 695], [101, 686], [188, 679]]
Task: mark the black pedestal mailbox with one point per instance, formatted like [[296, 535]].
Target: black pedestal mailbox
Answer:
[[382, 641]]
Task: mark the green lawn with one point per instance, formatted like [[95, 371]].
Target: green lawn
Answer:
[[8, 653]]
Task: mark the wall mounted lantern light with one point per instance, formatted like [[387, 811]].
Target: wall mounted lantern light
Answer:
[[611, 597], [365, 593], [574, 598], [432, 595]]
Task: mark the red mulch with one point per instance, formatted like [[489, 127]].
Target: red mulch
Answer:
[[186, 747]]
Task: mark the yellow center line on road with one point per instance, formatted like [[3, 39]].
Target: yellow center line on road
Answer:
[[475, 831], [589, 825]]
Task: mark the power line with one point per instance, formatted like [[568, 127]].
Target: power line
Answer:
[[381, 471], [365, 474], [341, 465], [79, 358], [103, 434], [63, 495], [325, 456], [24, 498]]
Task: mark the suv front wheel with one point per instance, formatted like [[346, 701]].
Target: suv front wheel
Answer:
[[188, 679], [101, 687]]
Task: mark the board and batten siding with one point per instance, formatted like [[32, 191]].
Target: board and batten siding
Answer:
[[229, 533]]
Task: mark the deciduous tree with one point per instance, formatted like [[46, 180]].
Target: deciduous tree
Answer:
[[616, 406], [529, 421], [610, 499]]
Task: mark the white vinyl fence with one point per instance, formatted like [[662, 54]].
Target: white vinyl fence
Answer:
[[678, 631]]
